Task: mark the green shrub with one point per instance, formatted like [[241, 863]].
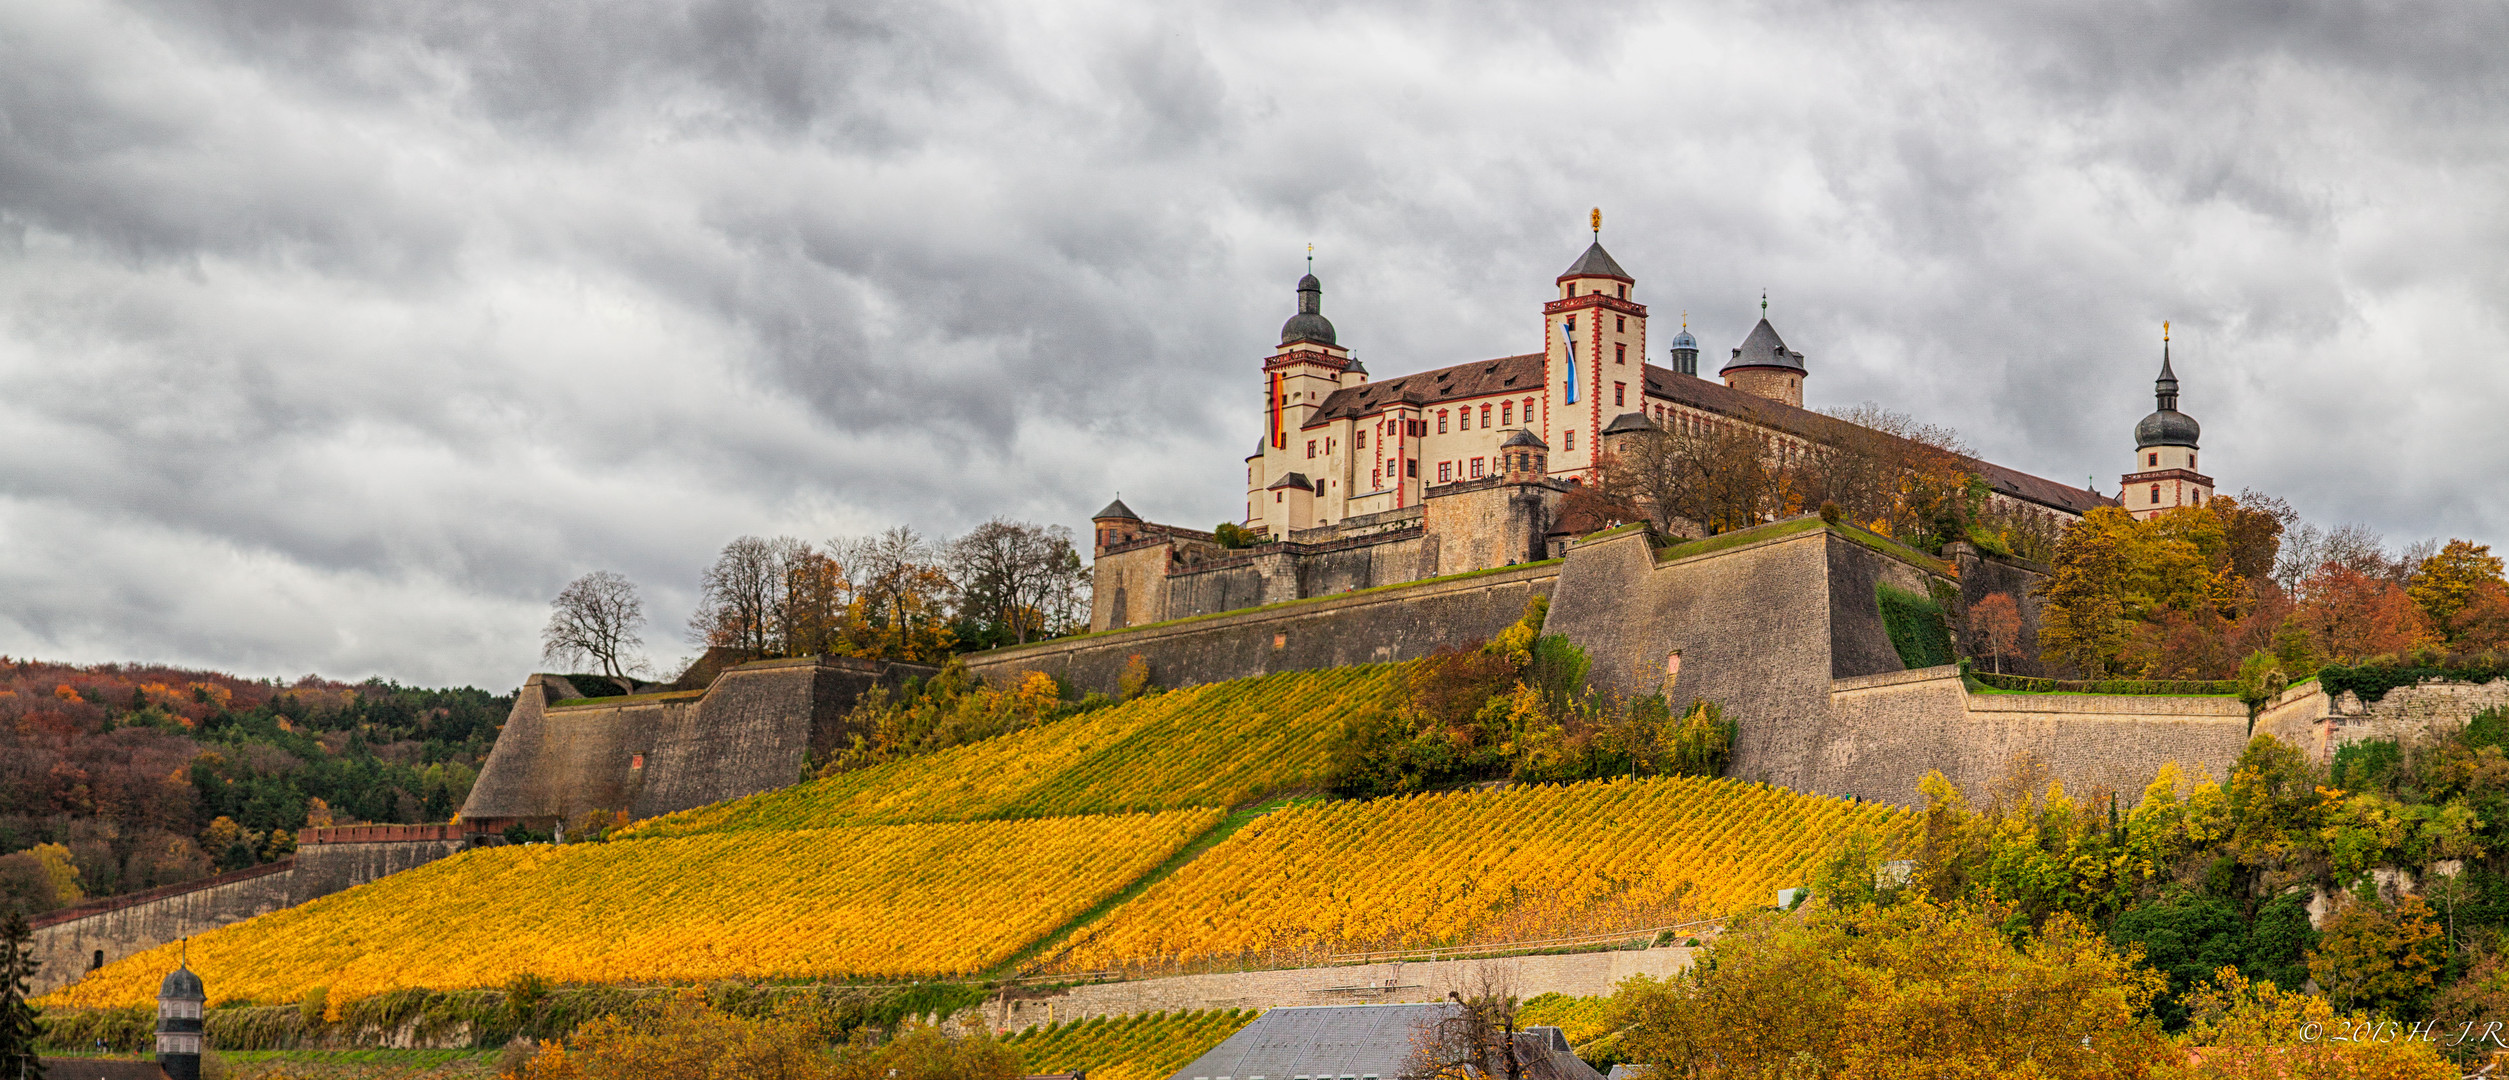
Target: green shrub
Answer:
[[1915, 623], [2372, 679], [2152, 687]]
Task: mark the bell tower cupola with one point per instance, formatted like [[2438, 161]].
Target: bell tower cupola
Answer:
[[2164, 476]]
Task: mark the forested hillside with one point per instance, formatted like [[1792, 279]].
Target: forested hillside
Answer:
[[121, 777]]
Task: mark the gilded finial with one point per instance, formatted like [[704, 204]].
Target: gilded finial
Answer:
[[1764, 303], [1311, 258], [2164, 330], [1685, 320], [1595, 219]]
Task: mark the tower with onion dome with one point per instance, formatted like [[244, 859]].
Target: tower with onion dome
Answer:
[[2164, 476]]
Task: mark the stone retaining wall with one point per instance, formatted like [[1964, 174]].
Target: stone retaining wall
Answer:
[[1581, 974]]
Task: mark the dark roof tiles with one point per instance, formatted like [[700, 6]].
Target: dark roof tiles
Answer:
[[1596, 262], [1485, 378]]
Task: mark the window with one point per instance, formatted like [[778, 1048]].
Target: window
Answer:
[[1411, 468], [1441, 421], [1276, 496], [1476, 468], [1618, 323], [1485, 417], [2152, 460], [1624, 292], [1311, 448], [1570, 442], [1445, 472], [1359, 440], [1572, 320], [1507, 412], [2156, 494], [1620, 393], [1620, 353], [1463, 418], [2191, 459]]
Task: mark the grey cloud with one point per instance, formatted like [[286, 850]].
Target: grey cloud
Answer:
[[338, 336]]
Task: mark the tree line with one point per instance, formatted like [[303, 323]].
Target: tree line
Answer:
[[1884, 471], [891, 596], [2242, 583]]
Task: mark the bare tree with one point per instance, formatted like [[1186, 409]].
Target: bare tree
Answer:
[[900, 592], [1475, 1036], [1016, 579], [1710, 474], [738, 607], [596, 617]]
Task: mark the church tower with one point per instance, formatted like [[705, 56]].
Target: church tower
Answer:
[[2164, 476], [1764, 367], [179, 1031], [1309, 365], [1594, 341]]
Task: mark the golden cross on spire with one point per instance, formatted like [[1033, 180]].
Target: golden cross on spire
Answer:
[[2164, 329], [1595, 219]]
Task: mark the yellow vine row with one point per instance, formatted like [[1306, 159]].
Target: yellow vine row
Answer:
[[1219, 744], [1460, 868], [875, 901], [1143, 1046]]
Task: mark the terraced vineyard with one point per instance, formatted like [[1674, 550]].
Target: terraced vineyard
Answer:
[[1579, 1019], [918, 900], [1143, 1046], [1220, 744], [1517, 864]]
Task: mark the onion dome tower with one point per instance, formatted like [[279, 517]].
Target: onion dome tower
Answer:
[[1685, 350], [2164, 476], [1764, 367], [179, 1030], [1309, 324]]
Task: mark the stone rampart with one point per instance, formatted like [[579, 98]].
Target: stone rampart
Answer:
[[73, 942], [2406, 711], [750, 730], [1397, 623], [1580, 974]]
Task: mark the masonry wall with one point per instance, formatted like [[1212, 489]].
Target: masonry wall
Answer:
[[1752, 624], [1398, 623], [1982, 575], [1581, 974], [1483, 523], [68, 946], [750, 731]]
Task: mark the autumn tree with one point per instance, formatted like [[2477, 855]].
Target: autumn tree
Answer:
[[2378, 956], [1995, 627], [1896, 991], [1889, 473], [2444, 584], [2085, 611], [2241, 1028], [901, 596], [596, 617], [2348, 614]]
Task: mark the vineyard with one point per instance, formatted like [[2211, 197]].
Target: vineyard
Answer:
[[1518, 864], [876, 901], [1144, 1046], [1219, 745], [1579, 1019]]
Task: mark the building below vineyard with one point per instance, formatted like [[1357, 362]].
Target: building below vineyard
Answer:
[[1357, 482]]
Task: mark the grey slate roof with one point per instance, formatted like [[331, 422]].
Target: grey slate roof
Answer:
[[1117, 509], [1309, 324], [1523, 437], [1367, 1041], [181, 985], [1596, 262], [1293, 480], [1627, 422], [2167, 427], [1763, 348]]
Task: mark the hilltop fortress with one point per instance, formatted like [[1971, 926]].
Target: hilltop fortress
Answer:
[[1355, 484]]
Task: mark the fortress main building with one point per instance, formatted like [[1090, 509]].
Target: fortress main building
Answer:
[[1358, 483]]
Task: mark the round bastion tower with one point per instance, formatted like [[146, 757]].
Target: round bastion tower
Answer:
[[2164, 476], [1763, 366]]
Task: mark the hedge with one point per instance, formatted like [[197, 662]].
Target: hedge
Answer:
[[2145, 687], [2372, 679]]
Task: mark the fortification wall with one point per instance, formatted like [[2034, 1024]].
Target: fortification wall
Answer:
[[1580, 974], [750, 731], [2406, 711], [1759, 628], [1983, 575], [69, 942], [1398, 623], [1887, 731]]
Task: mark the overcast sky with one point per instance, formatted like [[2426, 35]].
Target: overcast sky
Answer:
[[336, 337]]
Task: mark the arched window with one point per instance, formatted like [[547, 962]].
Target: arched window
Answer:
[[2156, 494]]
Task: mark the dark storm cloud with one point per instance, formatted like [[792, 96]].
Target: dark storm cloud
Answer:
[[338, 336]]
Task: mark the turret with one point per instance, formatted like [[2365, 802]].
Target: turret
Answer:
[[1115, 524], [1685, 350], [1594, 346], [1764, 367], [179, 1030]]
